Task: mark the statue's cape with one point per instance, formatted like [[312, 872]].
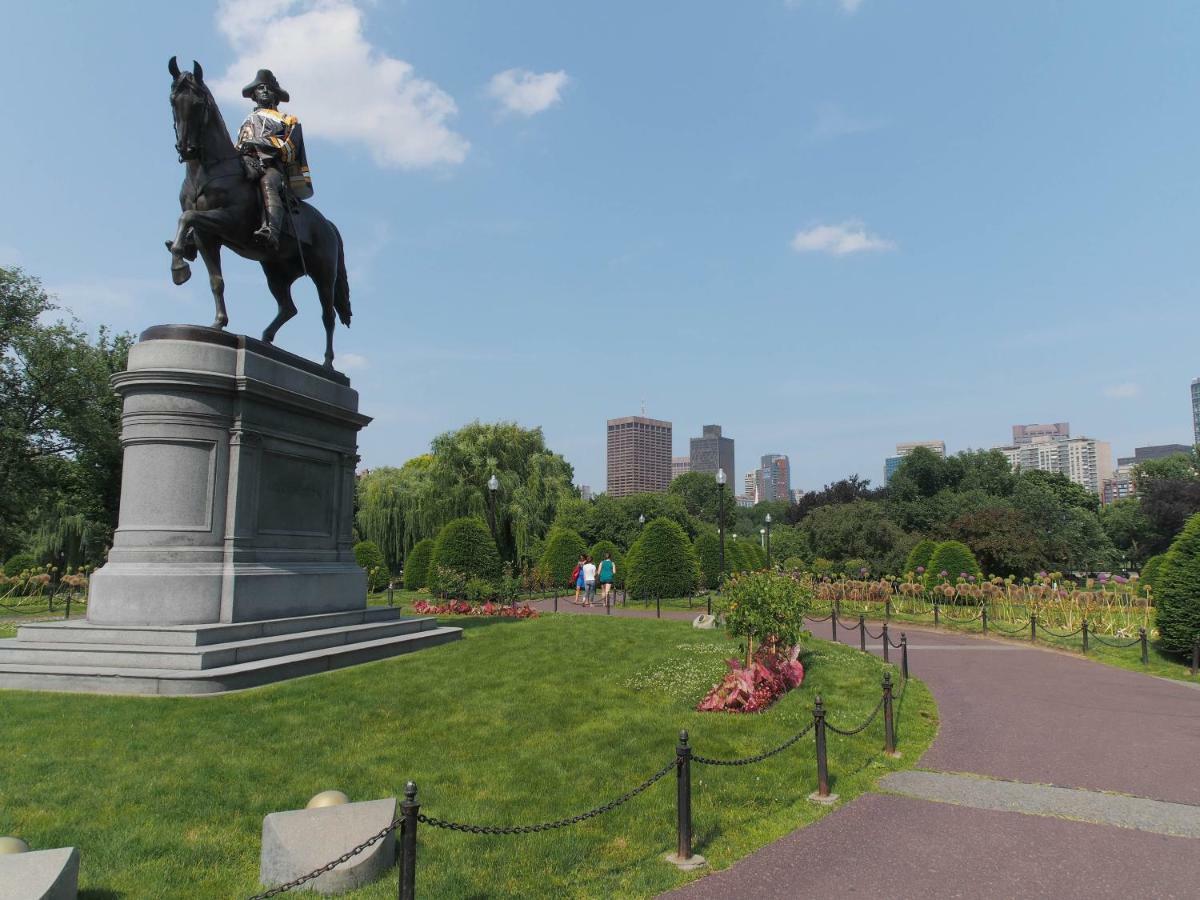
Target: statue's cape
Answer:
[[280, 135]]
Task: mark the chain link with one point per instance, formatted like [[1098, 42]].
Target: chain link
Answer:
[[549, 826], [1042, 629], [748, 760], [1095, 637], [819, 618], [316, 873], [993, 626], [874, 636], [862, 727]]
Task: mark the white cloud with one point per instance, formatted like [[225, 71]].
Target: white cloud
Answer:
[[1124, 391], [342, 87], [840, 240], [849, 7], [352, 361], [527, 93]]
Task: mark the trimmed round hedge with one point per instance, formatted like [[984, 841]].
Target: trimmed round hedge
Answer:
[[466, 546], [563, 549], [1177, 591], [370, 558], [708, 553], [416, 565], [661, 562], [1148, 577], [919, 556], [954, 558], [19, 563], [597, 554]]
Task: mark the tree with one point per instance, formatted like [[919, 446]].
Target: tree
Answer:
[[845, 491], [598, 552], [416, 565], [919, 556], [955, 559], [563, 549], [701, 496], [465, 546], [1130, 529], [708, 553], [1148, 577], [922, 473], [662, 562], [370, 558], [1001, 539], [1177, 593], [616, 518], [860, 529], [60, 452]]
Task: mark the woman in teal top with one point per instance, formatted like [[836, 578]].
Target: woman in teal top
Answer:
[[606, 573]]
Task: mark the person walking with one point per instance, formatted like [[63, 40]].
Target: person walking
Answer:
[[589, 581], [577, 576], [606, 573]]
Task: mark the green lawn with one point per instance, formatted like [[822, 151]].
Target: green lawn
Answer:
[[522, 721]]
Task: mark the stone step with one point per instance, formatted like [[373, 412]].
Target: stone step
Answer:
[[207, 656], [121, 680], [197, 635]]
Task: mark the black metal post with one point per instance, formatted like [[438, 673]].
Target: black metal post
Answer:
[[556, 601], [1084, 632], [936, 616], [862, 632], [833, 619], [409, 808], [822, 761], [70, 594], [768, 545], [683, 797], [608, 602], [887, 609], [721, 530], [889, 725], [1196, 656], [658, 607], [390, 591], [904, 655], [984, 617], [1033, 627], [886, 642], [1145, 646]]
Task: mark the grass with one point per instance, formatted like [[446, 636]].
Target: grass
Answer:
[[520, 722], [17, 611]]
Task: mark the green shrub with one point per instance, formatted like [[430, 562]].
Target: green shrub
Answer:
[[735, 557], [416, 565], [464, 545], [561, 556], [477, 589], [853, 568], [369, 557], [919, 556], [822, 567], [954, 558], [762, 605], [18, 563], [708, 553], [756, 556], [1148, 577], [795, 564], [1177, 591], [447, 581], [662, 562], [597, 554]]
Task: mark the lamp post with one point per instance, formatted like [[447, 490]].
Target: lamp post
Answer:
[[721, 531], [493, 486], [768, 532]]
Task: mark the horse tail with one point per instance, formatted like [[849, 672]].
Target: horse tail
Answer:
[[341, 288]]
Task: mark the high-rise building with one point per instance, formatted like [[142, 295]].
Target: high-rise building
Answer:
[[1086, 461], [776, 477], [1120, 485], [711, 451], [797, 493], [892, 463], [585, 492], [1027, 434], [639, 456], [754, 486], [1196, 410], [680, 465], [1158, 451]]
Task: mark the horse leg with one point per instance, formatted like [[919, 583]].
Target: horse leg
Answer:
[[280, 285], [180, 270], [210, 252], [324, 282]]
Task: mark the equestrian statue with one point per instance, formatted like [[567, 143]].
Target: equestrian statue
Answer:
[[250, 197]]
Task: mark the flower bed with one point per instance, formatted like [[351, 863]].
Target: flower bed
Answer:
[[463, 608], [753, 688]]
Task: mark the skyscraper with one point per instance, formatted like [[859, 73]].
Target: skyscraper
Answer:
[[1196, 410], [1086, 461], [776, 477], [1027, 434], [754, 491], [639, 456], [680, 465], [711, 451]]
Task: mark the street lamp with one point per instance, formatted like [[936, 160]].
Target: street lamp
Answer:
[[768, 530], [720, 531], [493, 486], [642, 519]]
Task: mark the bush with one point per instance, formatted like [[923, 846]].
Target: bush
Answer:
[[1148, 577], [708, 553], [795, 564], [765, 606], [919, 556], [563, 549], [853, 568], [416, 565], [954, 558], [18, 563], [1177, 591], [822, 567], [477, 589], [447, 581], [662, 562], [597, 554], [466, 546], [368, 555]]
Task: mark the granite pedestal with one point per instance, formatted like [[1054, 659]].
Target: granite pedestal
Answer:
[[237, 501]]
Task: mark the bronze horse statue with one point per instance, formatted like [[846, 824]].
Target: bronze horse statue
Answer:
[[222, 207]]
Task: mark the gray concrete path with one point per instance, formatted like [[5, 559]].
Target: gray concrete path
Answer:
[[1033, 722]]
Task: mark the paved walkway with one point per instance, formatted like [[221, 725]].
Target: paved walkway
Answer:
[[1051, 776]]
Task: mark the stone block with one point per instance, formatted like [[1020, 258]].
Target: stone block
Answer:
[[40, 875], [296, 842]]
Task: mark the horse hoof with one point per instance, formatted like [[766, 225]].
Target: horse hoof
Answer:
[[219, 324], [268, 338], [329, 362], [180, 274]]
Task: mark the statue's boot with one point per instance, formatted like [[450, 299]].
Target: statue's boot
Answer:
[[272, 227]]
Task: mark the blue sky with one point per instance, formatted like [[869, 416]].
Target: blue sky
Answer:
[[826, 225]]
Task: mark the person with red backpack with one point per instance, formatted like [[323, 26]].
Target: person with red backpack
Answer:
[[577, 576]]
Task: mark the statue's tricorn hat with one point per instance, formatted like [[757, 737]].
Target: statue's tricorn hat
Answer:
[[267, 77]]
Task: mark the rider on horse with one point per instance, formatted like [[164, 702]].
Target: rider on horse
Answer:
[[272, 146]]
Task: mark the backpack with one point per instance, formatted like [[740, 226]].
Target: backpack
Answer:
[[575, 575]]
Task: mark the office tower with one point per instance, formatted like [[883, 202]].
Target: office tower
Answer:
[[585, 492], [1196, 411], [639, 456], [753, 486], [680, 465], [1085, 461], [776, 477], [892, 463], [1027, 434], [711, 451], [1158, 451]]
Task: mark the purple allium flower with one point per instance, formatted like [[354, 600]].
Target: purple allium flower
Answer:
[[1121, 580], [1103, 578], [862, 571], [920, 570], [944, 573]]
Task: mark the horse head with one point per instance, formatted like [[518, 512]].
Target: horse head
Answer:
[[191, 105]]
